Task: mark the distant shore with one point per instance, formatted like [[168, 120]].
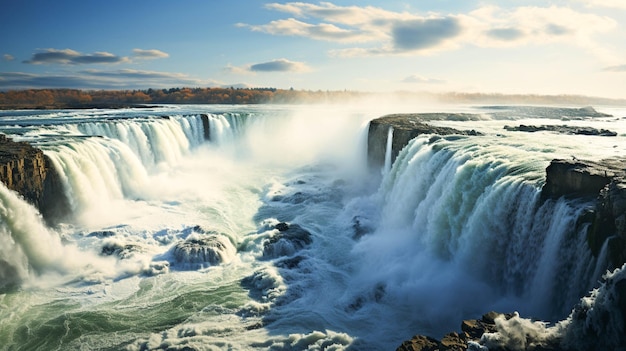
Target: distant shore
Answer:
[[49, 99]]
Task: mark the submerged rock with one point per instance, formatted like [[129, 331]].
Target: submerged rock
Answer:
[[123, 251], [199, 251], [290, 239]]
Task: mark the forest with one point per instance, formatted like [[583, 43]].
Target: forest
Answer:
[[74, 98]]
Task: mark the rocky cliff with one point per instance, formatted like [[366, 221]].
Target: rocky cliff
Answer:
[[605, 183], [27, 171], [406, 127]]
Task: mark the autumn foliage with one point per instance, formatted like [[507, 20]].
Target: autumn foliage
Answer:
[[73, 98]]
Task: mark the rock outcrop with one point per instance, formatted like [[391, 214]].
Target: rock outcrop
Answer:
[[27, 171], [206, 126], [604, 183], [562, 129], [406, 127], [471, 332]]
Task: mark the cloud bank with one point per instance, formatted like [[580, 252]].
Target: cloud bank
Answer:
[[99, 79], [374, 31], [72, 57]]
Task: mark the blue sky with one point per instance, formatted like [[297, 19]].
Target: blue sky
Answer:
[[513, 46]]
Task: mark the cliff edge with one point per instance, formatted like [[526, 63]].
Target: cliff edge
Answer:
[[406, 127], [27, 171]]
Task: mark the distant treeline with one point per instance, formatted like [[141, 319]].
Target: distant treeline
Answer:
[[73, 98]]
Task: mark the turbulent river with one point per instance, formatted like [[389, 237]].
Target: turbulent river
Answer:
[[275, 234]]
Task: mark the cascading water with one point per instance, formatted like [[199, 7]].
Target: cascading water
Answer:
[[458, 210], [272, 234]]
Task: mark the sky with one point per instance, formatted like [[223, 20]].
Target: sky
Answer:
[[507, 46]]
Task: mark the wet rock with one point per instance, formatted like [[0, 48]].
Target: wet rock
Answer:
[[561, 129], [101, 234], [603, 182], [405, 128], [290, 239], [27, 171], [123, 251], [199, 251], [420, 343], [471, 332]]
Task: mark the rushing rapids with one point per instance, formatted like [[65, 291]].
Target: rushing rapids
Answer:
[[271, 232]]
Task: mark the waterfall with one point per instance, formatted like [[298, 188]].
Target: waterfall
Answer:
[[388, 151], [464, 209], [224, 128], [108, 160], [154, 141], [26, 245]]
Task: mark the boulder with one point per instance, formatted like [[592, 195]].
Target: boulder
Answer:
[[471, 331], [288, 239], [199, 251]]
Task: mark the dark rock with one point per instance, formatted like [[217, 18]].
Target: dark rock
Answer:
[[290, 263], [562, 129], [203, 250], [603, 182], [119, 250], [289, 239], [282, 226], [27, 171], [471, 330], [405, 128], [420, 343], [578, 178], [101, 234], [206, 126]]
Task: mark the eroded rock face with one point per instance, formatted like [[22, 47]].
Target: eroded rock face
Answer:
[[27, 171], [576, 178], [604, 181], [405, 128]]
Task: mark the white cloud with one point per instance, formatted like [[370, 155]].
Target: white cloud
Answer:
[[7, 57], [149, 54], [403, 33], [278, 65]]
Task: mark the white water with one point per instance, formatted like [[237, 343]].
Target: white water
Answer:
[[454, 229]]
